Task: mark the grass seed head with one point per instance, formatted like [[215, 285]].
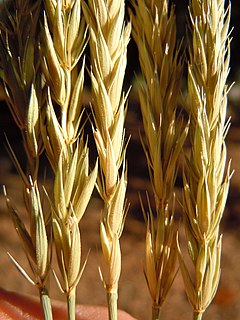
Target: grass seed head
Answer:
[[109, 37], [206, 177], [154, 31]]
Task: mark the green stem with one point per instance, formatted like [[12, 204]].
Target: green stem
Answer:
[[112, 298], [45, 303], [71, 301], [155, 312], [197, 315]]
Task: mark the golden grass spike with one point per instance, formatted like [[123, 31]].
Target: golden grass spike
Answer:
[[109, 37], [64, 39], [207, 175], [154, 31], [24, 90]]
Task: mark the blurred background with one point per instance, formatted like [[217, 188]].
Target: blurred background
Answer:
[[133, 292]]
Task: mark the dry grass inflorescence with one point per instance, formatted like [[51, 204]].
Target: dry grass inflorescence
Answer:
[[206, 174], [55, 85], [22, 83], [64, 38], [42, 45], [109, 37], [154, 31]]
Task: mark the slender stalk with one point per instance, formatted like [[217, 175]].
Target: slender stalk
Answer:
[[71, 302], [45, 303], [156, 312], [112, 298], [197, 315]]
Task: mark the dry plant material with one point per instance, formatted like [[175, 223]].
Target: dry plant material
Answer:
[[21, 81], [207, 174], [35, 244], [64, 39], [43, 80], [20, 75], [62, 46], [154, 31], [108, 46]]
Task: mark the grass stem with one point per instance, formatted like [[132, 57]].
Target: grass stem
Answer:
[[197, 315], [156, 312], [112, 305], [71, 299], [45, 303]]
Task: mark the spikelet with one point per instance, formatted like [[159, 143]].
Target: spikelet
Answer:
[[154, 31], [109, 37], [35, 243], [207, 175]]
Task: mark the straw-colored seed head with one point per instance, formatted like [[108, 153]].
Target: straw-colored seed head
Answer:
[[206, 177], [109, 37], [154, 31], [63, 42]]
